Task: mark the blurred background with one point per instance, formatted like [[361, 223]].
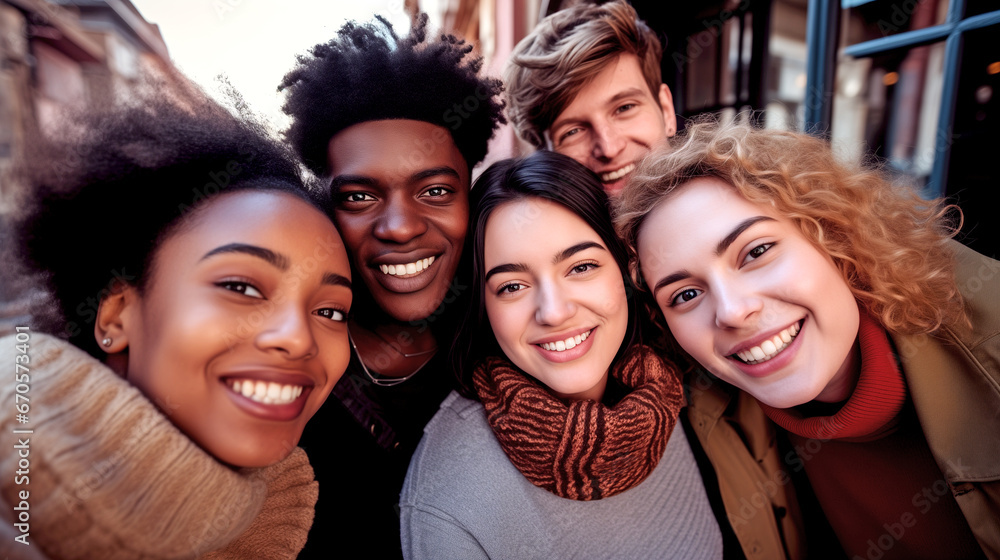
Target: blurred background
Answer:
[[913, 83]]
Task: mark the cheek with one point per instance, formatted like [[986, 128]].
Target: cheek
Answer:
[[504, 320], [453, 225], [353, 229], [692, 340]]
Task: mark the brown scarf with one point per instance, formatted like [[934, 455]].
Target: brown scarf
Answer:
[[583, 450]]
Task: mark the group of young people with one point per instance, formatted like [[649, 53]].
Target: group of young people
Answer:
[[724, 344]]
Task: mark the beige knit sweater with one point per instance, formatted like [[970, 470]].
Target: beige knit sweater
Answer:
[[109, 477]]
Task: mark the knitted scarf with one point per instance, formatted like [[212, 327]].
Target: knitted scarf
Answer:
[[583, 450]]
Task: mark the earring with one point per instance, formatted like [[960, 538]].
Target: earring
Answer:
[[106, 342]]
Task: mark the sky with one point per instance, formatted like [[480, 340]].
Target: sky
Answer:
[[254, 42]]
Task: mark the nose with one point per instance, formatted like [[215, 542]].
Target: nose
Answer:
[[609, 142], [288, 331], [735, 305], [400, 221], [553, 307]]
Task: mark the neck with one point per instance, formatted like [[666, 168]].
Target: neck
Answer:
[[840, 388], [393, 349]]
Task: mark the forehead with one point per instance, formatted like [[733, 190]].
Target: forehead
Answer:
[[394, 147], [532, 227], [267, 218], [621, 74]]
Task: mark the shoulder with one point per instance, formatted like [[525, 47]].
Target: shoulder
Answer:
[[457, 434], [978, 278], [456, 455]]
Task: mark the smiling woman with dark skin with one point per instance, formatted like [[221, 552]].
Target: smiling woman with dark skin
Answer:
[[166, 426], [396, 124]]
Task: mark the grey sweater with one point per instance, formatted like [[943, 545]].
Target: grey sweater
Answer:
[[464, 500]]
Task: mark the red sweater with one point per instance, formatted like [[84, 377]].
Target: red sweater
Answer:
[[871, 470]]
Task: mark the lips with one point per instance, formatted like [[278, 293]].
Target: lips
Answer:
[[560, 350], [407, 270], [403, 273], [612, 176], [273, 396], [566, 344], [769, 348], [265, 392]]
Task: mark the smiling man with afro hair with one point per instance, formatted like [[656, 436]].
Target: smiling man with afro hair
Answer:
[[396, 125], [369, 73]]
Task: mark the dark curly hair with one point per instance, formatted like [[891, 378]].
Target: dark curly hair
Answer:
[[368, 73], [101, 199]]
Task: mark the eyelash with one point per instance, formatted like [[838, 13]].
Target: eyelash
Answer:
[[673, 301], [445, 191], [502, 290], [765, 246], [229, 284], [591, 265], [342, 313], [245, 283], [750, 256]]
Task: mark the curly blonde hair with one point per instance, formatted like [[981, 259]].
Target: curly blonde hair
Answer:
[[888, 242]]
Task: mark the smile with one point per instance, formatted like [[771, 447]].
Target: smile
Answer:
[[407, 270], [563, 345], [615, 175], [768, 349], [265, 392]]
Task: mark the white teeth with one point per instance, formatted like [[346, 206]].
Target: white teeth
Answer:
[[563, 345], [769, 348], [615, 175], [408, 268], [266, 392]]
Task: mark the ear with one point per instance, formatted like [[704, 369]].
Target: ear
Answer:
[[667, 104], [114, 316]]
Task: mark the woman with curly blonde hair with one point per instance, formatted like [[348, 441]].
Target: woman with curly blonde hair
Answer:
[[836, 306]]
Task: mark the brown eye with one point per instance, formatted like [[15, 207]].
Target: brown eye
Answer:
[[757, 252], [684, 297], [332, 314], [241, 287]]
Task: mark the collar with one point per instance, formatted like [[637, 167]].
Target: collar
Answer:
[[873, 407]]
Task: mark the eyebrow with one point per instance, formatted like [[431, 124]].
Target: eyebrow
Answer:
[[719, 249], [632, 91], [737, 231], [334, 279], [560, 256], [348, 179], [274, 259]]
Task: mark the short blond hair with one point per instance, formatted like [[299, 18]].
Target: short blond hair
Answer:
[[888, 242], [564, 52]]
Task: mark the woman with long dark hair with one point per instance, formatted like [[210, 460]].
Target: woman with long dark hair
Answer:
[[564, 445]]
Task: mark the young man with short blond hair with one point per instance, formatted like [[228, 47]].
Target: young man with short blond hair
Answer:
[[586, 83]]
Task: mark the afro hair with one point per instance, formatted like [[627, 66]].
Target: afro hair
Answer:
[[368, 73], [136, 172]]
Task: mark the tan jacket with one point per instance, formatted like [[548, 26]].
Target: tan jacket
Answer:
[[954, 381], [104, 474]]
